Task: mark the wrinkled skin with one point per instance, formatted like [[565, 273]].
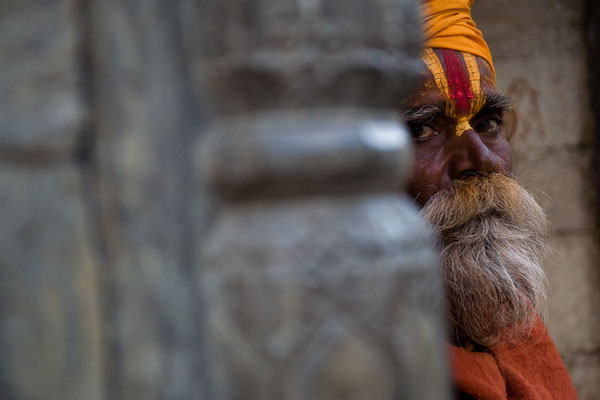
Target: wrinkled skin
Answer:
[[442, 156]]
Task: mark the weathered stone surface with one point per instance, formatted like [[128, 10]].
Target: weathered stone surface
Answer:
[[40, 104], [318, 263], [250, 56], [323, 298], [518, 34], [551, 98], [574, 276], [143, 128], [585, 373], [561, 179], [319, 281], [49, 330], [545, 74], [307, 151]]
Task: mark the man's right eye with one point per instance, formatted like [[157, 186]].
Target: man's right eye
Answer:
[[422, 132]]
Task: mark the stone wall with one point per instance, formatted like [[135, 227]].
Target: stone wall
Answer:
[[539, 53]]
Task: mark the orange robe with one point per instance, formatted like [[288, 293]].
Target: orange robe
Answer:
[[529, 370]]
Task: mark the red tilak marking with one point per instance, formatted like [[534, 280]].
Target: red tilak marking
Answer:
[[459, 85]]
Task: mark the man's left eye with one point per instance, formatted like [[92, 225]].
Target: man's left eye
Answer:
[[488, 126]]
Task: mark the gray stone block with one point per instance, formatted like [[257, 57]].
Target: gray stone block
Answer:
[[49, 330], [251, 56], [40, 96], [323, 298], [320, 279], [144, 186]]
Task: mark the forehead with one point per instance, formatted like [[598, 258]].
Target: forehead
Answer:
[[452, 76]]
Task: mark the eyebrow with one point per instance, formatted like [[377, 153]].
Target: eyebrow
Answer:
[[424, 113], [493, 101]]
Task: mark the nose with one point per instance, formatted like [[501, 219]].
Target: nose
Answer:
[[469, 154]]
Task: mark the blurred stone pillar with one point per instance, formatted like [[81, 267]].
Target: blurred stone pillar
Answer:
[[50, 344], [144, 118], [318, 278]]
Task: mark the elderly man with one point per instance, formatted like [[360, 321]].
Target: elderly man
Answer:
[[491, 230]]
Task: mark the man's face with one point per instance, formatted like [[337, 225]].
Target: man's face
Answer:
[[491, 230], [457, 120]]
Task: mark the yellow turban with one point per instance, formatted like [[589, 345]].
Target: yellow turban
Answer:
[[448, 25]]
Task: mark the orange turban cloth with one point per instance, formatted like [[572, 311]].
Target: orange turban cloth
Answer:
[[448, 25]]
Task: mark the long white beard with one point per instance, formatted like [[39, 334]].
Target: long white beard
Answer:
[[492, 240]]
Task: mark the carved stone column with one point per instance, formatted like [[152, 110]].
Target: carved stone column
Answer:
[[318, 278]]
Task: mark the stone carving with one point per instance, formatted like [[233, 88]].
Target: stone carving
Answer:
[[257, 55], [317, 287], [318, 278]]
